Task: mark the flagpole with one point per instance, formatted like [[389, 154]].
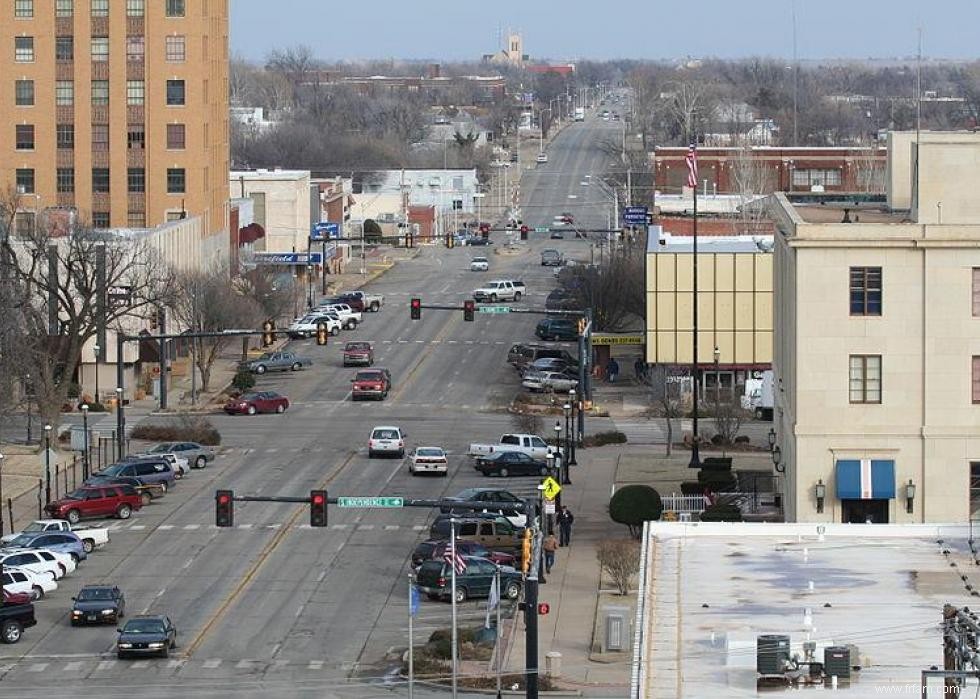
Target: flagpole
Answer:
[[499, 649], [452, 566], [692, 178], [411, 642]]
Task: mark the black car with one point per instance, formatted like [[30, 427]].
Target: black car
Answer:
[[479, 240], [511, 463], [557, 329], [486, 495], [98, 604], [147, 635]]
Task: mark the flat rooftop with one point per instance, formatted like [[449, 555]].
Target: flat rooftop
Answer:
[[834, 213], [711, 589]]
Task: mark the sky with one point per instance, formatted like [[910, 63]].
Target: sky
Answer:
[[577, 29]]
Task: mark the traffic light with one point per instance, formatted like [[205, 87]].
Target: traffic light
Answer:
[[416, 309], [524, 230], [543, 608], [468, 308], [526, 552], [321, 333], [268, 333], [318, 508], [224, 508]]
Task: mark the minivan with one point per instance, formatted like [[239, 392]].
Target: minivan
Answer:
[[148, 470], [520, 355]]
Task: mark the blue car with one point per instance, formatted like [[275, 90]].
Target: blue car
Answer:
[[59, 542]]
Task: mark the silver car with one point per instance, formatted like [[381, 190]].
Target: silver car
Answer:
[[197, 455], [479, 264], [548, 381]]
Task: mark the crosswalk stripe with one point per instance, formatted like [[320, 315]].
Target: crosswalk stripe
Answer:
[[212, 664], [39, 667]]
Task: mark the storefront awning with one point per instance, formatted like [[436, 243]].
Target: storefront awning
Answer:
[[865, 479]]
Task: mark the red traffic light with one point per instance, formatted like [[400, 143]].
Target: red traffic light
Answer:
[[543, 608], [416, 305], [318, 508], [224, 508], [468, 308]]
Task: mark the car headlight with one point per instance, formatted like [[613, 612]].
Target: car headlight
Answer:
[[125, 645], [156, 645], [75, 612], [108, 611]]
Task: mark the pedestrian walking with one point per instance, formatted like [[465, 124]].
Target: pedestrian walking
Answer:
[[612, 370], [565, 519], [640, 369], [550, 546]]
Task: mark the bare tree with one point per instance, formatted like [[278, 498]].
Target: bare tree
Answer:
[[665, 386], [527, 423], [750, 180], [727, 415], [614, 291], [621, 560]]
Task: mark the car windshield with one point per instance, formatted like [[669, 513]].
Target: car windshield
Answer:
[[384, 434], [87, 594], [479, 259], [35, 527], [143, 626], [76, 495], [166, 446], [249, 396], [113, 470], [368, 376], [358, 346], [22, 541], [429, 451]]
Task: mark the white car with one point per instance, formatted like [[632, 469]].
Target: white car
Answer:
[[33, 561], [479, 264], [307, 325], [385, 439], [548, 381], [349, 318], [23, 580], [429, 460], [542, 157], [179, 464]]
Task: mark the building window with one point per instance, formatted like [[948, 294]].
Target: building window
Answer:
[[66, 135], [865, 378], [136, 179], [100, 8], [136, 219], [175, 8], [136, 137], [176, 180], [24, 137], [976, 292], [64, 48], [100, 180], [25, 180], [865, 291], [976, 379], [64, 8], [176, 137], [100, 219], [24, 49], [974, 490], [64, 93], [24, 93], [100, 93], [135, 8], [24, 223], [809, 178], [100, 137], [23, 9], [176, 50], [135, 48], [135, 92], [66, 180], [175, 93], [100, 49]]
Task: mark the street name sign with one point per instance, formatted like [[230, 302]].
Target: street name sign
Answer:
[[635, 214], [370, 502], [542, 230], [494, 309]]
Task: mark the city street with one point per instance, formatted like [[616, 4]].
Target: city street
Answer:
[[272, 604]]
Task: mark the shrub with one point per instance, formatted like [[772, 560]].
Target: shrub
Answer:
[[96, 408], [717, 481], [742, 439], [633, 505], [692, 488], [621, 559], [243, 381], [74, 390], [530, 423], [722, 512], [185, 429], [600, 439]]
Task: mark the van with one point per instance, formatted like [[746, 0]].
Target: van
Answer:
[[491, 532], [520, 355]]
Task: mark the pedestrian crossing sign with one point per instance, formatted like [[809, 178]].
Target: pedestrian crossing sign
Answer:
[[550, 488]]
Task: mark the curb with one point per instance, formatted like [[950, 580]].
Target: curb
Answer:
[[493, 692]]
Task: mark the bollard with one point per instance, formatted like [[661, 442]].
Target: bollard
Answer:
[[552, 662]]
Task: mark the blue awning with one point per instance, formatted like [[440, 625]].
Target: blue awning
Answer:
[[865, 479]]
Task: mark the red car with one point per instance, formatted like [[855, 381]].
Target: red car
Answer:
[[258, 402], [371, 383], [13, 598], [96, 501], [358, 354], [435, 549]]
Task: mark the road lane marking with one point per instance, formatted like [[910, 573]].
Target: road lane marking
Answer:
[[140, 664], [315, 665], [39, 667], [243, 664], [105, 665], [212, 664], [73, 666], [165, 527], [192, 526]]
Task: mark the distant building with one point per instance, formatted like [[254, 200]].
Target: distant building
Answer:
[[566, 70], [511, 54], [434, 87], [385, 196]]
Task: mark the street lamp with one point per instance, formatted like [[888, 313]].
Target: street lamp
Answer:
[[28, 390], [47, 464], [717, 379], [121, 419], [559, 456], [1, 495], [772, 438], [85, 463], [820, 492], [567, 409], [98, 358], [575, 433]]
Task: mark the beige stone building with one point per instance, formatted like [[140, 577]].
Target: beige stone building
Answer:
[[877, 357], [118, 109]]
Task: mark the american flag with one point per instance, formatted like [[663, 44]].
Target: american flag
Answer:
[[692, 166], [453, 558]]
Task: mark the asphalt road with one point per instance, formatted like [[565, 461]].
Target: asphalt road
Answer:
[[273, 605]]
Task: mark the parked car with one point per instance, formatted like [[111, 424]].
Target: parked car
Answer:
[[542, 157], [22, 580], [147, 635], [14, 619], [371, 383], [494, 495], [276, 361], [31, 561], [92, 537], [556, 235], [308, 325], [257, 402], [386, 440], [435, 549], [179, 464], [98, 604], [96, 501], [196, 454], [521, 355], [492, 531], [551, 364], [148, 492], [530, 444], [56, 542], [349, 318], [11, 598], [479, 240], [429, 460], [358, 354], [368, 301], [557, 329], [553, 381], [479, 264], [156, 470], [435, 580], [511, 463]]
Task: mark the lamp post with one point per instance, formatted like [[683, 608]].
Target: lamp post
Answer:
[[85, 464], [47, 464], [98, 358], [717, 380], [28, 390], [571, 455], [121, 419], [567, 409], [1, 494]]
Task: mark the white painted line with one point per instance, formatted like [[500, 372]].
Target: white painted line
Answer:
[[245, 526], [418, 527], [420, 342], [192, 526], [315, 665], [435, 342], [105, 665], [365, 526], [160, 593], [165, 527], [137, 527], [73, 666], [321, 576], [275, 648], [171, 664], [338, 526], [139, 664], [305, 526], [243, 664], [212, 664], [390, 527], [38, 667], [273, 526]]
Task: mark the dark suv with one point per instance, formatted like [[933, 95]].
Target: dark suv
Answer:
[[557, 329], [434, 579], [149, 470]]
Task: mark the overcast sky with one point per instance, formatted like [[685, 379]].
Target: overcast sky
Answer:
[[466, 29]]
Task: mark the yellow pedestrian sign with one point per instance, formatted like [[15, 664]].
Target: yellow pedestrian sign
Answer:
[[550, 488]]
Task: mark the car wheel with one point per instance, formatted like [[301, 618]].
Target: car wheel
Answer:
[[73, 516], [200, 462], [165, 653], [543, 471], [88, 545], [260, 369], [512, 590], [370, 454], [280, 408], [493, 298], [164, 487], [75, 559], [401, 453], [296, 366], [335, 330], [517, 295], [350, 325], [504, 473], [124, 512], [11, 631], [146, 498], [120, 655], [375, 307], [460, 594], [251, 410], [37, 592]]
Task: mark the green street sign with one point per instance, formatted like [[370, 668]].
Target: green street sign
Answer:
[[494, 309], [371, 502], [542, 230]]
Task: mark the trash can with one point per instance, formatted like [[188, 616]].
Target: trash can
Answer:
[[552, 664]]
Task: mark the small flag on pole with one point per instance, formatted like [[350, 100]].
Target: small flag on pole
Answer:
[[413, 600], [692, 166], [493, 600], [454, 559]]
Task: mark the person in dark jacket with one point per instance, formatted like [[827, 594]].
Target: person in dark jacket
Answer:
[[565, 519], [612, 370]]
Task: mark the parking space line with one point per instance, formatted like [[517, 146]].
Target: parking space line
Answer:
[[243, 664], [418, 527], [165, 527], [105, 665], [140, 664], [212, 664], [390, 527], [73, 666]]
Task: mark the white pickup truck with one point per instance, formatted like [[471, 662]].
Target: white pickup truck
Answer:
[[530, 444], [92, 537], [500, 290]]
